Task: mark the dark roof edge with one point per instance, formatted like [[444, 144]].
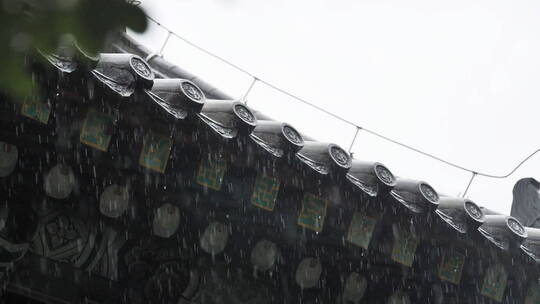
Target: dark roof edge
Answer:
[[121, 43]]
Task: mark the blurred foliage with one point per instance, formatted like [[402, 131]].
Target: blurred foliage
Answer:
[[29, 24]]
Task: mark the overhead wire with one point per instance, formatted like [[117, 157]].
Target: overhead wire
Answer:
[[358, 127]]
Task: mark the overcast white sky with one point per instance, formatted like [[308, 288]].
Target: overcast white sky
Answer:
[[459, 79]]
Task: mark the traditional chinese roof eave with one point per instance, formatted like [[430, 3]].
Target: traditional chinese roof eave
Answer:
[[347, 186], [122, 43]]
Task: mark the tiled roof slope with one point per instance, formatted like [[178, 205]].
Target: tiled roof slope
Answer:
[[414, 191], [375, 180], [176, 131]]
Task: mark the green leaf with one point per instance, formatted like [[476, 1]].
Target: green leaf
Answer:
[[43, 23]]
